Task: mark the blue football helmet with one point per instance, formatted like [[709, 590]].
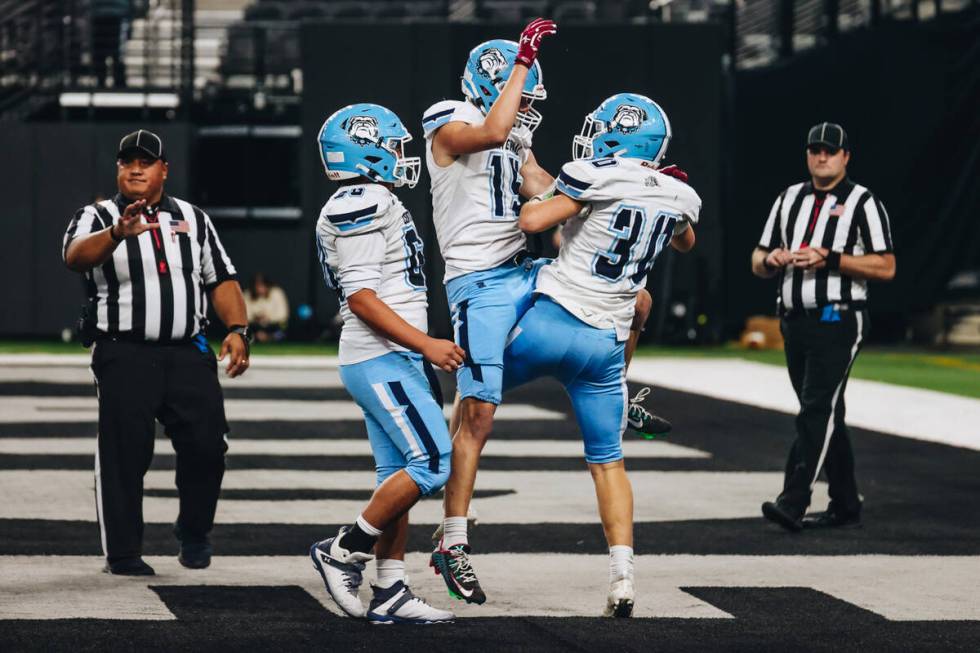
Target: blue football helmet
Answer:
[[488, 69], [367, 140], [626, 124]]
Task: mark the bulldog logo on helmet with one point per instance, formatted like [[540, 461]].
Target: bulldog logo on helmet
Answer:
[[492, 62], [363, 130], [628, 118]]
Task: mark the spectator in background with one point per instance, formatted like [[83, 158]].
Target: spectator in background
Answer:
[[109, 19], [268, 309]]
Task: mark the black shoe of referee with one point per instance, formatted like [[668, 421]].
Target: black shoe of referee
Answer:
[[129, 567], [832, 519], [780, 513], [195, 552]]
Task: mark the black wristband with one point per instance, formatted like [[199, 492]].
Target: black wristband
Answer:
[[245, 334], [112, 234], [833, 260]]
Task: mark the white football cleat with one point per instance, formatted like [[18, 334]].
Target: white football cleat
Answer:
[[619, 603], [341, 571], [397, 605]]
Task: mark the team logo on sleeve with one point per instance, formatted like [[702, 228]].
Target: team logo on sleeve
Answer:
[[628, 118], [492, 62], [363, 130]]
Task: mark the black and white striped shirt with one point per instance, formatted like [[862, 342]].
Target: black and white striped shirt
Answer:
[[847, 219], [153, 286]]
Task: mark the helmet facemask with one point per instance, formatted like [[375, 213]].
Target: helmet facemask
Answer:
[[407, 168], [582, 146], [531, 117]]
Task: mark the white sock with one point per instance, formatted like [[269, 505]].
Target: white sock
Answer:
[[454, 531], [365, 526], [620, 562], [390, 572]]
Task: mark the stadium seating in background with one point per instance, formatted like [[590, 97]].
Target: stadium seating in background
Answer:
[[514, 11], [566, 12], [303, 10]]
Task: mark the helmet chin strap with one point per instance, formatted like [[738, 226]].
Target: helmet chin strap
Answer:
[[370, 174]]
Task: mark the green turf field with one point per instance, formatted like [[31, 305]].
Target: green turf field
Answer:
[[956, 372]]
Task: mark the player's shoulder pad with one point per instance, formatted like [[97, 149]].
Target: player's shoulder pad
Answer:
[[684, 194], [356, 209], [578, 178], [446, 111]]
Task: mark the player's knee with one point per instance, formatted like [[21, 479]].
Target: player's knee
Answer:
[[603, 453], [429, 474], [477, 421], [382, 472], [644, 304]]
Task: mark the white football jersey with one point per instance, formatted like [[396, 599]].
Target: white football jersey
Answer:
[[604, 258], [475, 200], [366, 238]]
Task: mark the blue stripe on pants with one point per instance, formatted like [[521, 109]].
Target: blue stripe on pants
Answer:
[[418, 424]]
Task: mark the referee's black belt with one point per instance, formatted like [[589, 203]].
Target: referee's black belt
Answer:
[[811, 312], [129, 336]]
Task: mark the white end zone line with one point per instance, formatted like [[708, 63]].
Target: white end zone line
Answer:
[[893, 409]]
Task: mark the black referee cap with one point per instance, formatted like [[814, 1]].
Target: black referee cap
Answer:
[[828, 133], [143, 142]]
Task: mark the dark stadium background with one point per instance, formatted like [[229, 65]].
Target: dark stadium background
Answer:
[[243, 114], [238, 89]]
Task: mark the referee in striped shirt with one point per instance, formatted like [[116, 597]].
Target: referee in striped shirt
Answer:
[[824, 240], [150, 262]]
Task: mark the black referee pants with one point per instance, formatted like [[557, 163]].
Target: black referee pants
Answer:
[[138, 384], [819, 355]]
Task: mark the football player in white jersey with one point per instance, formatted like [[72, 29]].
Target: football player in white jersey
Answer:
[[619, 213], [478, 153], [371, 255]]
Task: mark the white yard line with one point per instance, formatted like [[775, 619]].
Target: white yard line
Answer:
[[33, 409], [567, 448], [896, 410], [534, 497], [899, 588], [82, 359]]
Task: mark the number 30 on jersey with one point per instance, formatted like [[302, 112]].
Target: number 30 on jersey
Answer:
[[627, 227]]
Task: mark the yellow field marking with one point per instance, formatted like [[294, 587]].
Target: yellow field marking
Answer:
[[949, 361]]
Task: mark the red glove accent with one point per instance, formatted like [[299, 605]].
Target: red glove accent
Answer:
[[674, 172], [527, 47]]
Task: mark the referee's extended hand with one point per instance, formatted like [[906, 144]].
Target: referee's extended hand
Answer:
[[233, 346], [129, 222]]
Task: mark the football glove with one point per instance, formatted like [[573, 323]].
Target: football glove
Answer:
[[530, 41]]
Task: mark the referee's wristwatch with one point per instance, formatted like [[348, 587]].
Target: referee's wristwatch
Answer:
[[246, 334]]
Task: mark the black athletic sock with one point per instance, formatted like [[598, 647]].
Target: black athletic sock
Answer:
[[356, 539]]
